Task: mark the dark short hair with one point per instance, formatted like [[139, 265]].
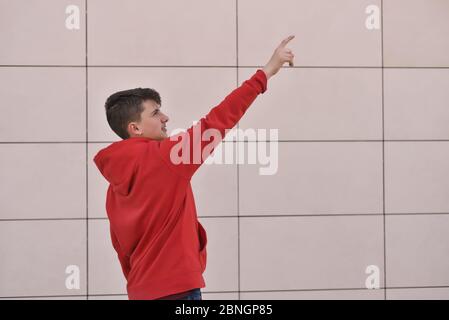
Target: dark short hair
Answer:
[[126, 106]]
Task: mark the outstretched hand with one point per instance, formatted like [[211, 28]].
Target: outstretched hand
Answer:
[[280, 56]]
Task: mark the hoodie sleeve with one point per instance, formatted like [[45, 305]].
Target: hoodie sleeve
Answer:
[[184, 152]]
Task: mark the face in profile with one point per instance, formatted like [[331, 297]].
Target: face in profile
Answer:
[[152, 122]]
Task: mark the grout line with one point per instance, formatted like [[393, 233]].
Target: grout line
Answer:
[[43, 219], [238, 216], [218, 66], [87, 157], [237, 148], [235, 141], [339, 289], [246, 291], [383, 149]]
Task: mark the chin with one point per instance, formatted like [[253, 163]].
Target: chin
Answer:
[[160, 137]]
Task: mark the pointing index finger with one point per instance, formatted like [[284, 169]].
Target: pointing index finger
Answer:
[[287, 40]]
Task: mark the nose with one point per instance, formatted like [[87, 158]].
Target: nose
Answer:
[[165, 119]]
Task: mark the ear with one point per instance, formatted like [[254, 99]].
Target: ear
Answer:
[[133, 129]]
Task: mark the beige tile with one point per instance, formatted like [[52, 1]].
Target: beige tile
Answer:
[[220, 296], [221, 272], [53, 109], [187, 94], [292, 253], [105, 273], [416, 103], [417, 247], [315, 178], [34, 32], [36, 255], [162, 33], [111, 297], [314, 104], [416, 177], [416, 33], [418, 294], [328, 33], [43, 181], [363, 294]]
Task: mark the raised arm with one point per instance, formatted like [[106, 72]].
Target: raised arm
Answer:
[[186, 151]]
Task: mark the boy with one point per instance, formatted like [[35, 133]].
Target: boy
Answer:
[[154, 227]]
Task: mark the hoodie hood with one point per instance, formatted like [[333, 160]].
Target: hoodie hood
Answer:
[[118, 162]]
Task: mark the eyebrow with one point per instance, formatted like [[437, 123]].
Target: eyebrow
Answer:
[[154, 111]]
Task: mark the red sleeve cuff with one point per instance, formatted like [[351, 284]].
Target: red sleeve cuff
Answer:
[[259, 81]]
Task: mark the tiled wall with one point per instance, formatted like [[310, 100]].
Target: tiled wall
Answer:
[[363, 119]]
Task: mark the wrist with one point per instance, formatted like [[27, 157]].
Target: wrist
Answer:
[[267, 71]]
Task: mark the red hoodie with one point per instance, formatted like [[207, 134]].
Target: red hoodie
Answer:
[[150, 205]]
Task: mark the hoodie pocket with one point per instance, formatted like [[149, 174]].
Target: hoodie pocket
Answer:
[[203, 242]]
